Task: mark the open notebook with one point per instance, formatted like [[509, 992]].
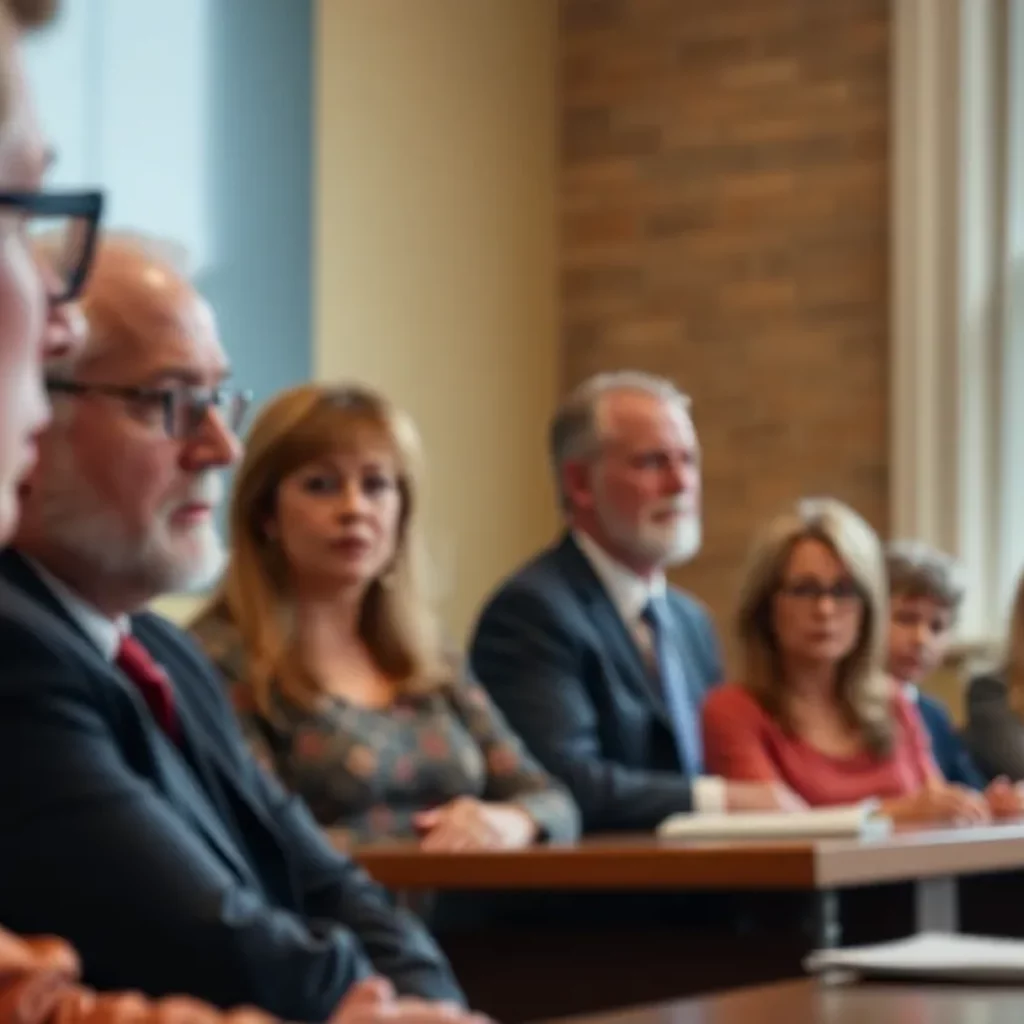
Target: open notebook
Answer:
[[968, 958], [859, 821]]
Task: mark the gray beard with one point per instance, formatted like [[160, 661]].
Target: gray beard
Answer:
[[71, 516]]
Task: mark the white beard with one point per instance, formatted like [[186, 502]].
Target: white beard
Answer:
[[162, 561], [665, 543]]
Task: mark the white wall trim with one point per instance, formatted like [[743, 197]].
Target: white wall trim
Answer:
[[1011, 454], [948, 207]]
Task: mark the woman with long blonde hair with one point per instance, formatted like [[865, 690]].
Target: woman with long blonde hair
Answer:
[[815, 709], [332, 653]]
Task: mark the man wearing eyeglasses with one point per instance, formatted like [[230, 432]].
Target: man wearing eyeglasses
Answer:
[[132, 816], [35, 319], [144, 426]]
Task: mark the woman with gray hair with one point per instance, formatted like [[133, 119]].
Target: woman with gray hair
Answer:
[[816, 710]]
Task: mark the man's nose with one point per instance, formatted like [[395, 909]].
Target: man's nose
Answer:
[[681, 476], [213, 444]]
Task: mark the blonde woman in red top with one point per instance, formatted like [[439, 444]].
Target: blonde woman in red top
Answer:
[[814, 709]]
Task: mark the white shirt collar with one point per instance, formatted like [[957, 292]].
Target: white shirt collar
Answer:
[[911, 692], [628, 592], [103, 632]]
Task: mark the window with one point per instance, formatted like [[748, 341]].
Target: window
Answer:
[[958, 302], [196, 117]]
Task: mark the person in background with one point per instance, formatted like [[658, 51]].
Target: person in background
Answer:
[[815, 709], [598, 664], [925, 593], [37, 316], [332, 653], [135, 824], [994, 732]]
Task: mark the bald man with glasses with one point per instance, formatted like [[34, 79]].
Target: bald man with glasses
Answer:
[[132, 816]]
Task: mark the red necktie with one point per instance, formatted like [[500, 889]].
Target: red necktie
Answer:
[[152, 681]]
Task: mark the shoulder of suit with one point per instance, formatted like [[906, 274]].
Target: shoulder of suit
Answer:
[[543, 575], [988, 685], [39, 644], [545, 564], [22, 616], [153, 623], [17, 608]]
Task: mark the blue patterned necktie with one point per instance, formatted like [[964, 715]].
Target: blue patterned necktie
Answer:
[[678, 699]]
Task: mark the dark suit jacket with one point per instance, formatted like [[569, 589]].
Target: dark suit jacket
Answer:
[[556, 657], [948, 749], [994, 734], [172, 870]]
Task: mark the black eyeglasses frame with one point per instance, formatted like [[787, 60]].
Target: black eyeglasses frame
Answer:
[[86, 206]]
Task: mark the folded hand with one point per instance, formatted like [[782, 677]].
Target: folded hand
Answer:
[[469, 824]]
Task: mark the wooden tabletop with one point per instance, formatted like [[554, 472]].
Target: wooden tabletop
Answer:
[[644, 862], [810, 1002]]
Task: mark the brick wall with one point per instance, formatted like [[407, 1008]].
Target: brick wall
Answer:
[[724, 222]]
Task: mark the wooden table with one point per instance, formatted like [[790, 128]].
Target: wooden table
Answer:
[[645, 862], [873, 889], [810, 1002], [932, 859]]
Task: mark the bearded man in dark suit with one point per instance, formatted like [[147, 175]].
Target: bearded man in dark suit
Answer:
[[597, 662], [134, 822]]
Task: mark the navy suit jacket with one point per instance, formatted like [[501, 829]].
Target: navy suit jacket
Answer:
[[948, 749], [172, 869], [557, 658]]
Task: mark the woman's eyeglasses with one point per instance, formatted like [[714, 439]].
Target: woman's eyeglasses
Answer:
[[843, 592], [63, 227]]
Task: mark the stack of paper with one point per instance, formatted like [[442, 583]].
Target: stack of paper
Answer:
[[860, 821], [968, 958]]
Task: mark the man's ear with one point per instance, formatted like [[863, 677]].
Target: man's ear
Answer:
[[577, 483]]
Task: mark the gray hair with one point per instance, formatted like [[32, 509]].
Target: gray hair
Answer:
[[917, 569], [575, 431]]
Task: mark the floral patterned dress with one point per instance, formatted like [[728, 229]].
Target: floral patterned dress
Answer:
[[369, 771]]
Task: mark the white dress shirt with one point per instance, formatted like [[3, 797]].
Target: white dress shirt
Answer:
[[104, 632], [630, 595]]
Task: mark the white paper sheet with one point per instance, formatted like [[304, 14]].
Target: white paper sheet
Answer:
[[929, 955], [859, 821]]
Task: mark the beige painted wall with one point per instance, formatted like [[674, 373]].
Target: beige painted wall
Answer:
[[436, 255]]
